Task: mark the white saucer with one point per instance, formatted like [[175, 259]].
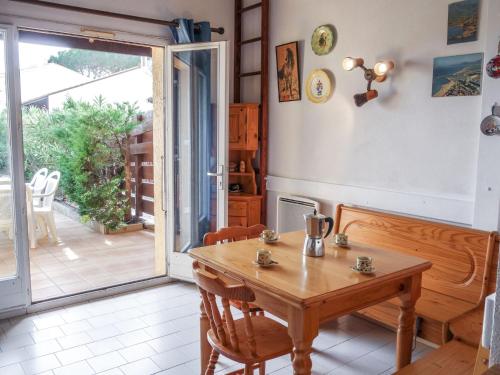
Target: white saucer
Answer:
[[268, 241], [371, 272], [273, 263], [341, 246]]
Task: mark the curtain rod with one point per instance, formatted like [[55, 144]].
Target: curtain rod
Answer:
[[218, 30]]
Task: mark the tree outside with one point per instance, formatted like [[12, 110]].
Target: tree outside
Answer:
[[95, 64]]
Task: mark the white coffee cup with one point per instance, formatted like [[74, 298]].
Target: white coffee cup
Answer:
[[263, 257], [340, 239], [364, 263]]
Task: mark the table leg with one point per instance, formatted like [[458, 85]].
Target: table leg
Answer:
[[407, 322], [303, 328], [205, 348]]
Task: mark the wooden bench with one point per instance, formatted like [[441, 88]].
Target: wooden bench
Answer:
[[453, 290], [453, 358]]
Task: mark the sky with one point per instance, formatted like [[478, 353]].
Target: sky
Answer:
[[31, 55]]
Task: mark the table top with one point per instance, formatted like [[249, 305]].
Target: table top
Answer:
[[306, 279]]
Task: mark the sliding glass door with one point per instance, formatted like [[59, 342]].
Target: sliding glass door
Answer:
[[13, 220], [196, 148]]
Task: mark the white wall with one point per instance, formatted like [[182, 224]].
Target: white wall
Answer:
[[405, 151], [486, 213]]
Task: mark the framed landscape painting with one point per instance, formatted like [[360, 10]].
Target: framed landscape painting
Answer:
[[457, 75], [463, 21], [287, 65]]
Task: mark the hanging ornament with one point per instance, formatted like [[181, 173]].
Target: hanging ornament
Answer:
[[493, 66]]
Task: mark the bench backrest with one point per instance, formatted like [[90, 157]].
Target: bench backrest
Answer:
[[461, 257]]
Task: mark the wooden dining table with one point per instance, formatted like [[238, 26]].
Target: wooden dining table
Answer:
[[306, 291]]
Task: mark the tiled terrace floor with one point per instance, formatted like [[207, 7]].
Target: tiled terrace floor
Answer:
[[84, 260], [156, 331]]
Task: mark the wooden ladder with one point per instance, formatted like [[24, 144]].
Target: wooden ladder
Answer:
[[263, 39]]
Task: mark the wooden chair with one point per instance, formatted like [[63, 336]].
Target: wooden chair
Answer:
[[251, 340], [232, 234]]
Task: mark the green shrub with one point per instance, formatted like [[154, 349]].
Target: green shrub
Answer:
[[87, 143], [92, 141], [40, 145]]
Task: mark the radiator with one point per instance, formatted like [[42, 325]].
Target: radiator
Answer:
[[291, 210]]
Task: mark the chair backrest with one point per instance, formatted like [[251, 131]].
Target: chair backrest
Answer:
[[232, 234], [461, 257], [210, 287], [38, 181], [51, 185]]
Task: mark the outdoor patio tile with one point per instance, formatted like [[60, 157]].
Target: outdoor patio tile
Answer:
[[46, 293]]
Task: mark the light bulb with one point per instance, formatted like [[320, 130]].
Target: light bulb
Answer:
[[348, 63], [383, 67]]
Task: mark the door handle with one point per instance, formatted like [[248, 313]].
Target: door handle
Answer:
[[214, 174]]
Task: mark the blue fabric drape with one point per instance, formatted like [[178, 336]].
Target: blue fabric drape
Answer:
[[186, 33]]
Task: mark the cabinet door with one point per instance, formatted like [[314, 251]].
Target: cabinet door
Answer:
[[237, 128]]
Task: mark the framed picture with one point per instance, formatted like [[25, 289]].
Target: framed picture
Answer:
[[287, 65], [457, 75], [463, 21]]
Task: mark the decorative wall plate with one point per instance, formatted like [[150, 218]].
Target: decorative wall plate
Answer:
[[318, 86], [322, 40]]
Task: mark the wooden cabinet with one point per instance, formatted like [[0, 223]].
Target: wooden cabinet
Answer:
[[244, 208], [244, 127]]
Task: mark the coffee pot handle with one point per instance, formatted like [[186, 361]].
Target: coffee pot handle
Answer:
[[329, 220]]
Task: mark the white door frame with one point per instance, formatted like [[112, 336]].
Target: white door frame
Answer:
[[15, 294], [15, 290], [180, 264]]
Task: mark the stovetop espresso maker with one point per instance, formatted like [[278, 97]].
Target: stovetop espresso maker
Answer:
[[314, 245]]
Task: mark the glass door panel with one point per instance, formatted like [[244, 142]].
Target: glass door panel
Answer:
[[13, 225], [197, 111], [8, 259]]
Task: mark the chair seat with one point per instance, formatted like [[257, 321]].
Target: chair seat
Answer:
[[42, 209], [271, 339]]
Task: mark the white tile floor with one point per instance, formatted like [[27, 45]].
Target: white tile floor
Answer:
[[155, 331]]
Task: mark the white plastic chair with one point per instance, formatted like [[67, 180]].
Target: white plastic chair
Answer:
[[44, 214], [31, 217], [37, 184]]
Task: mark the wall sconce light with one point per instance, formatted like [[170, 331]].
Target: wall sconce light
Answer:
[[378, 74]]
